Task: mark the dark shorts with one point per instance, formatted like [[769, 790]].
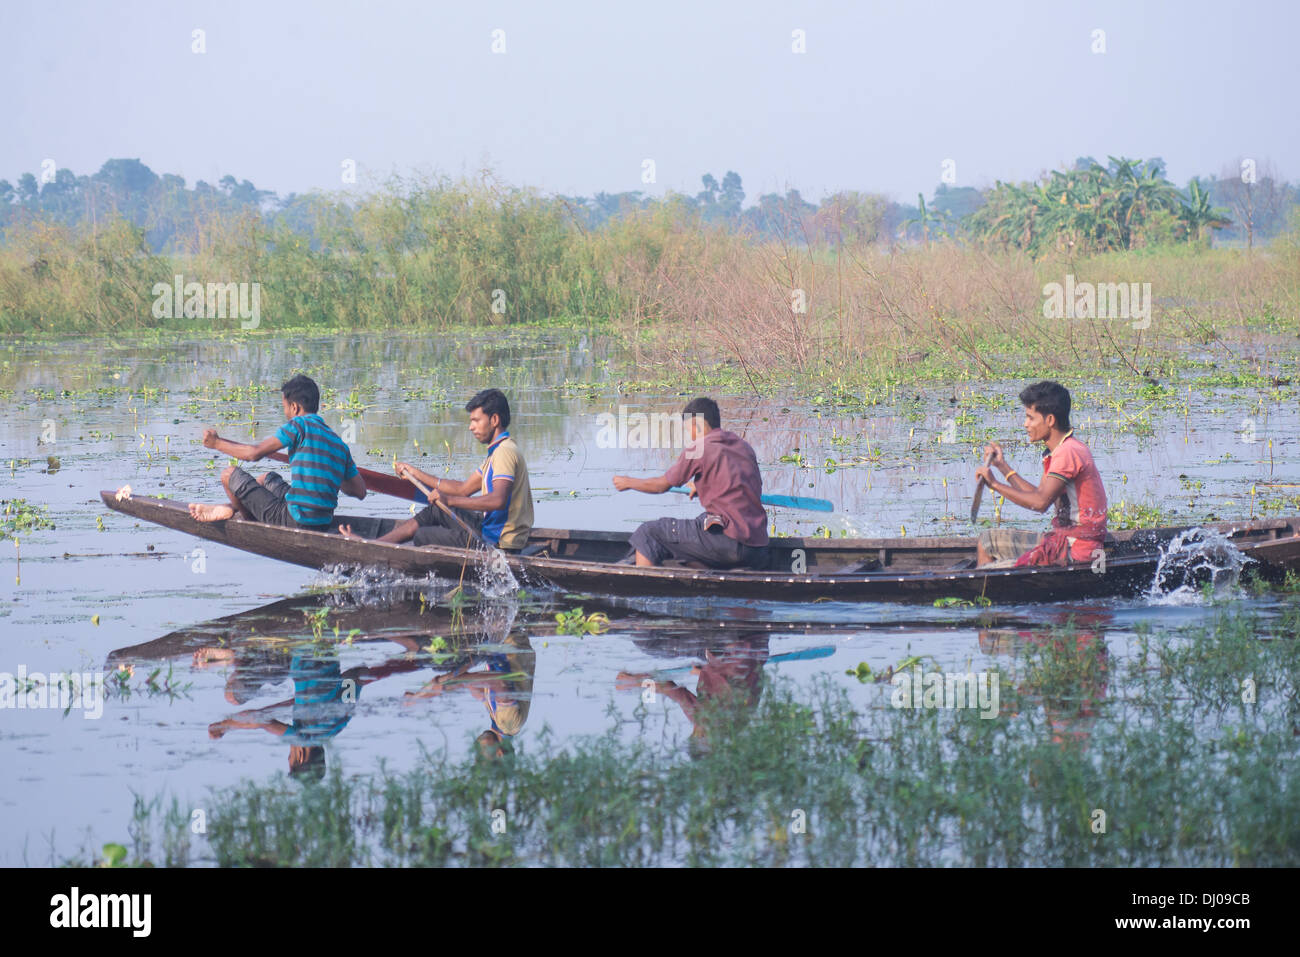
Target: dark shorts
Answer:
[[437, 529], [265, 500], [686, 539]]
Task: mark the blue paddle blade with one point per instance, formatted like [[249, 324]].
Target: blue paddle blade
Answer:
[[803, 654], [784, 501], [799, 501]]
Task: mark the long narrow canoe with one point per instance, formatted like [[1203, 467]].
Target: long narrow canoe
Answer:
[[803, 569]]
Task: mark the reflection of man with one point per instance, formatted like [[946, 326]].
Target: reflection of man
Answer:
[[730, 680], [252, 667], [1070, 711], [324, 699], [503, 683]]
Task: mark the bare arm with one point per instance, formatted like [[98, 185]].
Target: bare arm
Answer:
[[1017, 488], [355, 486], [241, 450], [444, 486], [491, 501], [655, 486], [1038, 498]]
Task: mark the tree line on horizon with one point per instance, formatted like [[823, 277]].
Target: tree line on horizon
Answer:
[[1090, 207]]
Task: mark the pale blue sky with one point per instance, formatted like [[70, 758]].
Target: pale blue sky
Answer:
[[586, 91]]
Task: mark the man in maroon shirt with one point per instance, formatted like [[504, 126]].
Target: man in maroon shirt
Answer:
[[733, 531]]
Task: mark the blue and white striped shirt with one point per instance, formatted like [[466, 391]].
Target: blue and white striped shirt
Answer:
[[320, 462]]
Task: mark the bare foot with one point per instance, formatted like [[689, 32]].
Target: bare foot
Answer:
[[204, 656], [211, 513]]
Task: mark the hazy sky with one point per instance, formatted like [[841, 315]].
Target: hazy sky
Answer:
[[585, 92]]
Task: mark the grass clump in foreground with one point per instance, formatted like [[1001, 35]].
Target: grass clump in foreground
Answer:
[[1187, 748]]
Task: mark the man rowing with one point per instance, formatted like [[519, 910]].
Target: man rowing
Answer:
[[321, 466], [502, 514], [1070, 481], [732, 532]]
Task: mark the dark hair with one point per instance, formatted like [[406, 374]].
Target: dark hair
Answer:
[[492, 402], [1049, 398], [306, 762], [491, 741], [707, 408], [303, 391]]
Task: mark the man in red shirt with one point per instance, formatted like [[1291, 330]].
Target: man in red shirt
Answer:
[[1070, 481], [724, 469]]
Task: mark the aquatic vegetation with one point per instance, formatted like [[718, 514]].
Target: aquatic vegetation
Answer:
[[954, 602], [1134, 515], [1180, 755], [865, 673], [154, 684], [114, 856], [19, 515], [574, 622], [316, 618]]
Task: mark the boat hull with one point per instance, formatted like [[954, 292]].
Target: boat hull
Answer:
[[807, 569]]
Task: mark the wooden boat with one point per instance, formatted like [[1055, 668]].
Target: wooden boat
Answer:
[[804, 569]]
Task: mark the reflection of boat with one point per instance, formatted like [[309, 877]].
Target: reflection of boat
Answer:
[[288, 620], [885, 569], [295, 640]]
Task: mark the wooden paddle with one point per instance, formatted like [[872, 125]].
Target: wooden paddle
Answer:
[[377, 482], [979, 491], [446, 509], [399, 488]]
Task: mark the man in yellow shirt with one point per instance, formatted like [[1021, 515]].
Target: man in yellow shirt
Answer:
[[502, 514]]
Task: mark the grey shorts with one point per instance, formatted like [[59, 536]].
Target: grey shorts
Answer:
[[437, 529], [265, 501], [686, 539], [1005, 545]]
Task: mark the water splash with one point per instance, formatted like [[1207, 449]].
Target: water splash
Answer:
[[375, 584], [495, 578], [370, 583], [1192, 559]]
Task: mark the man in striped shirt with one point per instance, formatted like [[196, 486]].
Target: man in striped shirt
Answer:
[[320, 462]]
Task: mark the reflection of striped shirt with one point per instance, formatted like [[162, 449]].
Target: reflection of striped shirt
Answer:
[[320, 463], [319, 711]]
